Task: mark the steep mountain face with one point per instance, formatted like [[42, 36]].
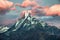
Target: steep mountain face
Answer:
[[30, 28]]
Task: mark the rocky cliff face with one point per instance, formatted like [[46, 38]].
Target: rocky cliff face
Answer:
[[29, 28]]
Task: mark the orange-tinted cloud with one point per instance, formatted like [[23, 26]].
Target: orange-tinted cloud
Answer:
[[48, 11], [53, 10], [33, 4], [36, 8], [6, 6], [27, 3]]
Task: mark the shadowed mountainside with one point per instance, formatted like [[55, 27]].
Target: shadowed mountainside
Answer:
[[29, 28]]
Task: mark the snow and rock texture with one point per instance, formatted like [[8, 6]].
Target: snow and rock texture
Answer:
[[30, 28]]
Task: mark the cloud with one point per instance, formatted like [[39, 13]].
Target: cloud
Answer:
[[36, 9], [6, 6], [27, 3], [53, 10]]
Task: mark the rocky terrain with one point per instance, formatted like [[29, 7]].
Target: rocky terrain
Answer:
[[30, 28]]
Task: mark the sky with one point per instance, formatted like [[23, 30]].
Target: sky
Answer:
[[13, 15]]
